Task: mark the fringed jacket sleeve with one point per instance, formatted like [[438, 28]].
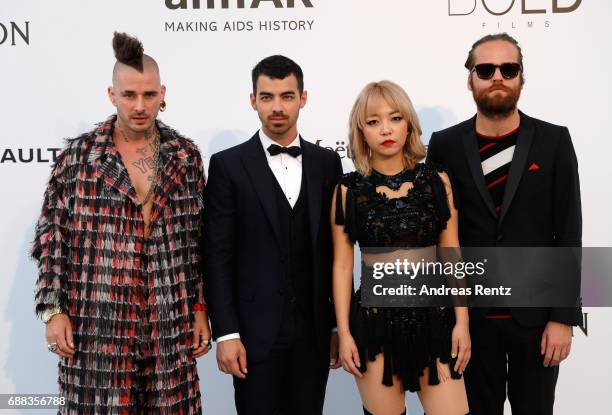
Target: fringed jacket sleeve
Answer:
[[51, 241], [201, 182]]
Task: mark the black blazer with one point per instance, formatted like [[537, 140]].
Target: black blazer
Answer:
[[541, 205], [243, 269]]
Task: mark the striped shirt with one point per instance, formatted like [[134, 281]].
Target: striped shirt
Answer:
[[496, 156]]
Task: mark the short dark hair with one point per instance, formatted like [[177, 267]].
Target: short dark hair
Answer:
[[469, 63], [277, 67]]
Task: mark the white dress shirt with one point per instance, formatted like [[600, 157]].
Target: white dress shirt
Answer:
[[286, 169], [288, 173]]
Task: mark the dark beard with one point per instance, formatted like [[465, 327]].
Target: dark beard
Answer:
[[497, 107]]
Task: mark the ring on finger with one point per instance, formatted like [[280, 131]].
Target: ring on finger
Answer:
[[208, 344], [52, 347]]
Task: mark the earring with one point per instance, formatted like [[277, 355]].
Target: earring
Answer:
[[162, 106]]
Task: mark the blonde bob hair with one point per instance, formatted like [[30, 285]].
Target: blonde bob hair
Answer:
[[396, 97]]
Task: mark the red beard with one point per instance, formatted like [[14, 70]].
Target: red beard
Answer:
[[496, 106]]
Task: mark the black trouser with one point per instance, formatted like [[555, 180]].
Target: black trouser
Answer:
[[292, 379], [504, 352]]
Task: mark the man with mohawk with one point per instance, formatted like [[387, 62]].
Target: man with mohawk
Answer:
[[117, 244]]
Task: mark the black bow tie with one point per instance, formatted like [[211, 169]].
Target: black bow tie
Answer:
[[293, 151]]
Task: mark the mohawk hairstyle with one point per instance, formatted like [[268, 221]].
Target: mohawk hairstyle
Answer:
[[128, 50]]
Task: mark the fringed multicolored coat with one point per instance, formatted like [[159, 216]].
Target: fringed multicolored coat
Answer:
[[129, 298]]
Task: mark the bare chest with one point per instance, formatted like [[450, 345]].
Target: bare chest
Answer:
[[141, 166], [140, 162]]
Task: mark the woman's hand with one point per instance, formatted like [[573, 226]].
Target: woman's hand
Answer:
[[462, 346], [349, 356]]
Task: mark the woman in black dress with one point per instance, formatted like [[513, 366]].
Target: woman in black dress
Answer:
[[395, 207]]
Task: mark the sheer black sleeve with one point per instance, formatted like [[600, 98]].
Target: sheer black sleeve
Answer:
[[348, 215]]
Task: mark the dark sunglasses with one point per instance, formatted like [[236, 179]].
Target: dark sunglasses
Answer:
[[487, 70]]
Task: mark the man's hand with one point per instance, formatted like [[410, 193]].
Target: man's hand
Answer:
[[334, 351], [59, 331], [556, 343], [201, 334], [231, 358]]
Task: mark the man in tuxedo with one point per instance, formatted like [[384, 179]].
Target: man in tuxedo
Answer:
[[268, 254], [516, 184]]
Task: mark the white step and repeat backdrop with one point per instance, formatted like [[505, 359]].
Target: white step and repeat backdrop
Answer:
[[56, 61]]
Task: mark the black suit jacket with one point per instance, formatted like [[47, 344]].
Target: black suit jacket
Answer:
[[541, 206], [243, 265]]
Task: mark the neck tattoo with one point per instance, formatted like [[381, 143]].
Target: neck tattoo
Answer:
[[150, 133]]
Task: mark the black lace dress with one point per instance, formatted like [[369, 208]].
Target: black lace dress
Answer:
[[411, 338]]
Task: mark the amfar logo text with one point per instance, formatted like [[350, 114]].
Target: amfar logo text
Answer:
[[240, 4], [12, 31], [502, 7]]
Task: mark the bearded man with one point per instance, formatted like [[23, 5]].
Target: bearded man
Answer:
[[515, 180], [117, 244]]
